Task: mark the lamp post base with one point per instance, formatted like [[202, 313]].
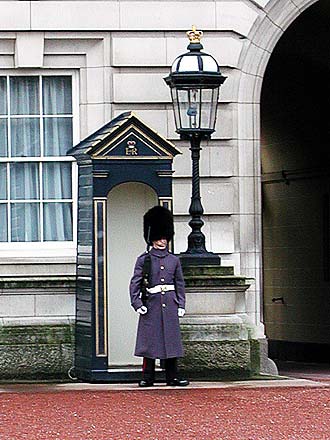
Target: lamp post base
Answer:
[[202, 259]]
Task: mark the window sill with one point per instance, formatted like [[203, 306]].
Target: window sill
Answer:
[[37, 253]]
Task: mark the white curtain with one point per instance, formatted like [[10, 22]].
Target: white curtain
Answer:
[[3, 153], [25, 142], [24, 95], [3, 222], [25, 137], [3, 95], [24, 100], [3, 181], [3, 206], [57, 221], [57, 216], [57, 98], [57, 136], [26, 223], [57, 180], [24, 185], [24, 181], [3, 138]]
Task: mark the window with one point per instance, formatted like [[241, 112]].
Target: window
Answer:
[[36, 120]]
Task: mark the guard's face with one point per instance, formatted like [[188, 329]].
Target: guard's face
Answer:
[[160, 244]]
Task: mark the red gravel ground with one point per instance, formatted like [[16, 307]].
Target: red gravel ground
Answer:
[[201, 414]]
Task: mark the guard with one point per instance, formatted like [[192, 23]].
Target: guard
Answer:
[[158, 295]]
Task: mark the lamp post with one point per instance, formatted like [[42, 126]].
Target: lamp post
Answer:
[[194, 81]]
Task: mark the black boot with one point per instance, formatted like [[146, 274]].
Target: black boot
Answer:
[[177, 382], [145, 383], [148, 373], [171, 369]]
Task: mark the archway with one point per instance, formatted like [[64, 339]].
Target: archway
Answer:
[[295, 158], [127, 204]]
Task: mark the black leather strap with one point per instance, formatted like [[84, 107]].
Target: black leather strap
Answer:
[[146, 270]]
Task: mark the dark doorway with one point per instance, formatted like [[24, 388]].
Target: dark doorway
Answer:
[[295, 154]]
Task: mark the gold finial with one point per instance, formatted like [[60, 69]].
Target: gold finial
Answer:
[[194, 35]]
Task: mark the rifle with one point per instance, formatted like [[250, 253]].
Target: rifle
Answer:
[[146, 269]]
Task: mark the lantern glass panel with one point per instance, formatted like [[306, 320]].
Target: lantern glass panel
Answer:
[[189, 108], [209, 105], [189, 64], [214, 105], [176, 107], [209, 64]]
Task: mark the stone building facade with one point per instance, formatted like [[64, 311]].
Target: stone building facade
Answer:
[[95, 60]]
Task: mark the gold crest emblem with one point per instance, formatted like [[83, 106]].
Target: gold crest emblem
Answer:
[[131, 149]]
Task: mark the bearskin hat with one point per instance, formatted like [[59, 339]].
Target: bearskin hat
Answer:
[[157, 224]]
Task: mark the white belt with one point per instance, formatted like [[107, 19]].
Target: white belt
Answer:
[[161, 288]]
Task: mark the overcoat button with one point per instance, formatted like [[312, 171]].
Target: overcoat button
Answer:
[[162, 267], [164, 305], [162, 280]]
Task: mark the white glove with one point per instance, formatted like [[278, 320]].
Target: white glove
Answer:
[[181, 312], [142, 310]]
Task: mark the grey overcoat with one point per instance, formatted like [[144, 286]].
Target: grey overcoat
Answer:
[[158, 333]]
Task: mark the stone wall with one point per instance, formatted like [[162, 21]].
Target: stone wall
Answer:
[[36, 328], [36, 352]]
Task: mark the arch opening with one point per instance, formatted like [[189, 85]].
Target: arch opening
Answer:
[[295, 158], [126, 205]]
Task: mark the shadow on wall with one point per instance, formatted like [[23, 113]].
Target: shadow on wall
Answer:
[[295, 165]]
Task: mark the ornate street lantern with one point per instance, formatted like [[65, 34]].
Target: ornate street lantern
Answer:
[[194, 81]]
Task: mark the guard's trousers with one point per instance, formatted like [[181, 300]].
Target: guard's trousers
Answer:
[[148, 369]]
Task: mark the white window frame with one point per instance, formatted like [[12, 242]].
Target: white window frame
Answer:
[[56, 251]]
